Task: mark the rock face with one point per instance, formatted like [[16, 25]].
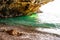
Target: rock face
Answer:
[[12, 8]]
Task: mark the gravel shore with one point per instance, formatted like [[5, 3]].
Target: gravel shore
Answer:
[[24, 34]]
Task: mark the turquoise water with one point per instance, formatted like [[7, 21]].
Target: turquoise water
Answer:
[[28, 21]]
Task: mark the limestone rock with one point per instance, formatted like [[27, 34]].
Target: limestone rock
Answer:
[[12, 8]]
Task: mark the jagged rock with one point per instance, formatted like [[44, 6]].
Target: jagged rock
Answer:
[[12, 8]]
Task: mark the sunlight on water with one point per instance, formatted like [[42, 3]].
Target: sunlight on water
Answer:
[[51, 12]]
